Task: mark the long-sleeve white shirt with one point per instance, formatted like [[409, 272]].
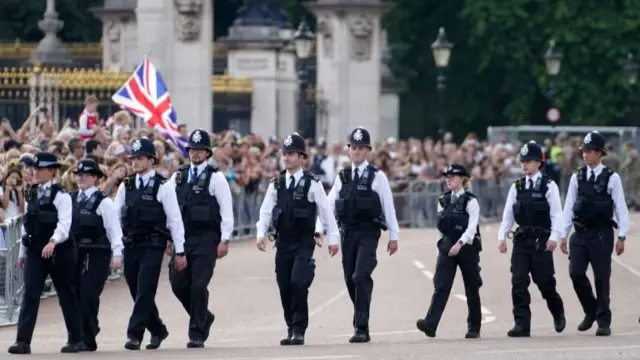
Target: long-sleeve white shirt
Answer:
[[167, 197], [555, 209], [62, 203], [110, 221], [316, 195], [614, 188], [381, 186], [218, 188], [473, 209]]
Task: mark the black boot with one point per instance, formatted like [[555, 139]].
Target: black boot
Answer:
[[425, 328], [360, 336], [519, 331], [287, 340], [20, 348]]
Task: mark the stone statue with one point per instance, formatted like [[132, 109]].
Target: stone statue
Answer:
[[325, 31], [113, 35], [188, 17], [361, 29]]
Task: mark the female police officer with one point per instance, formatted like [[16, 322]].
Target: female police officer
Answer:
[[458, 246], [96, 230], [534, 203]]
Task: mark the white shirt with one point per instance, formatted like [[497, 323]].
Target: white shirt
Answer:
[[110, 220], [614, 188], [381, 186], [167, 197], [316, 195], [62, 203], [555, 209], [218, 188], [473, 209]]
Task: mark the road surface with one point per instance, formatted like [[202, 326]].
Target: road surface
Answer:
[[249, 321]]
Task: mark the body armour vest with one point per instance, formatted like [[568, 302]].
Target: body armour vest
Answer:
[[531, 209], [294, 216], [41, 217], [594, 206], [87, 227], [454, 219], [357, 203], [144, 222], [200, 210]]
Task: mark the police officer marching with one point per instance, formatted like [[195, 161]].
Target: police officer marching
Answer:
[[595, 194], [148, 207], [459, 245], [206, 206], [534, 203], [96, 230], [363, 203], [46, 249], [291, 204]]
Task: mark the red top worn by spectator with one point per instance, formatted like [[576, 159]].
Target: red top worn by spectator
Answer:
[[89, 118]]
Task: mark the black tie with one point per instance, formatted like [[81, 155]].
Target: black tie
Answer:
[[356, 176], [454, 199], [140, 183], [195, 175], [292, 183], [592, 178], [530, 184], [82, 197]]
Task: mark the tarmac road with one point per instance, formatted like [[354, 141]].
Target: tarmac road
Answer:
[[249, 321]]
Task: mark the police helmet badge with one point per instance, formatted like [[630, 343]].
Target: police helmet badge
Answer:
[[288, 141], [525, 150], [136, 145], [81, 167], [587, 139], [35, 159], [197, 137], [357, 135]]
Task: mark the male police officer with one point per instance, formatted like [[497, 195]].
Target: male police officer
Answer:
[[534, 203], [47, 250], [361, 196], [595, 194], [148, 206], [291, 203], [206, 205], [97, 232]]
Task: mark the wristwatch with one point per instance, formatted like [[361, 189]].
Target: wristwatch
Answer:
[[226, 241], [460, 242], [180, 254], [622, 238]]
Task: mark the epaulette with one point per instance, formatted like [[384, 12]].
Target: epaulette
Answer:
[[276, 183], [161, 179], [607, 170], [129, 182], [344, 177], [311, 175], [283, 172], [519, 184], [441, 200], [373, 168], [184, 167]]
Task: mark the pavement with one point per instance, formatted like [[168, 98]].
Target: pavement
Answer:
[[249, 323]]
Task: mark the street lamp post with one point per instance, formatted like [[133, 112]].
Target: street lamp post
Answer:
[[441, 49], [631, 69], [552, 61], [303, 43]]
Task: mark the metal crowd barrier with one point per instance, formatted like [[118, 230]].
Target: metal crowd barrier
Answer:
[[416, 207]]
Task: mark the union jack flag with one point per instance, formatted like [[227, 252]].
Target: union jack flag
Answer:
[[145, 94]]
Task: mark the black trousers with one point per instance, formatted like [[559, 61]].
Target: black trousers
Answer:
[[190, 285], [446, 267], [530, 257], [295, 271], [592, 247], [142, 267], [359, 259], [61, 268], [92, 270]]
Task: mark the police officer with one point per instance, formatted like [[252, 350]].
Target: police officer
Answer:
[[206, 205], [46, 249], [595, 194], [534, 203], [148, 206], [96, 230], [458, 246], [361, 196], [291, 204]]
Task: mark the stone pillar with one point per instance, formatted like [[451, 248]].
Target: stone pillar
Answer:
[[390, 91], [189, 62], [260, 48], [152, 33], [50, 50], [348, 64], [117, 18]]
